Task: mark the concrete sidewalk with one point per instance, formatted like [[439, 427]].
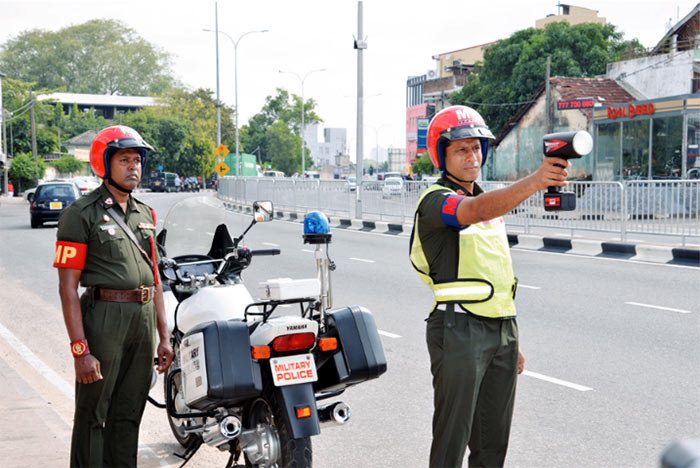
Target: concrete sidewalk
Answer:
[[654, 252]]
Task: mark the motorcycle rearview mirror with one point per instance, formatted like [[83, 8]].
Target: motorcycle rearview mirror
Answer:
[[263, 211]]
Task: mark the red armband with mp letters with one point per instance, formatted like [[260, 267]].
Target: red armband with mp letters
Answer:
[[70, 255]]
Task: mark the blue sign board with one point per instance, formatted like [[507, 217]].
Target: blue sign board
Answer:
[[422, 125]]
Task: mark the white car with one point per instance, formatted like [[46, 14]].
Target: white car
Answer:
[[351, 184], [86, 184], [393, 186]]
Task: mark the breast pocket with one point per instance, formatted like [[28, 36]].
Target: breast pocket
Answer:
[[114, 245]]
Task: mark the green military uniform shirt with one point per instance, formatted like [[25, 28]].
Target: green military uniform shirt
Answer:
[[112, 259]]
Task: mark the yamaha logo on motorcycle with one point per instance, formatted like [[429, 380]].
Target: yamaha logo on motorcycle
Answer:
[[245, 379]]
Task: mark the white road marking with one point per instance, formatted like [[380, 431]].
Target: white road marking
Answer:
[[307, 250], [680, 311], [210, 233], [38, 365], [553, 380], [528, 287], [389, 335], [362, 260], [601, 259], [270, 244], [190, 229], [55, 379]]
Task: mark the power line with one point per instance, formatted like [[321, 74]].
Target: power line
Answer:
[[502, 104]]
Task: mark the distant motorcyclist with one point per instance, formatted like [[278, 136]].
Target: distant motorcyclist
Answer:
[[460, 249], [112, 325]]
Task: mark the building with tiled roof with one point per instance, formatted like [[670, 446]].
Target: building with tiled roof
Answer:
[[517, 150]]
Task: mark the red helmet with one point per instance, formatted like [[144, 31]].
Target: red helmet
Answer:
[[456, 123], [109, 141]]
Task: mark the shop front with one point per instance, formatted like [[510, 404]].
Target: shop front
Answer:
[[644, 140]]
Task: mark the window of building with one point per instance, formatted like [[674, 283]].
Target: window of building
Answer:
[[635, 150], [607, 160], [666, 148]]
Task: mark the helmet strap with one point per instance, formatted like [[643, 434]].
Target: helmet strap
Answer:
[[117, 186], [446, 173]]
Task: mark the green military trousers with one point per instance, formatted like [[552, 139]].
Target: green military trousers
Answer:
[[108, 412], [474, 362]]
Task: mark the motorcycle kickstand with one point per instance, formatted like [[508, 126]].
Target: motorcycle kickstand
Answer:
[[189, 451]]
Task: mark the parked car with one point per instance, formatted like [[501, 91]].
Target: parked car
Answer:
[[273, 174], [86, 184], [694, 173], [165, 182], [386, 175], [351, 184], [393, 186], [50, 199]]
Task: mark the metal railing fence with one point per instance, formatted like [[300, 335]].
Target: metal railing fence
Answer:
[[649, 207]]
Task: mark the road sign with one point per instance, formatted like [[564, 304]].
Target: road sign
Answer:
[[221, 151], [221, 168]]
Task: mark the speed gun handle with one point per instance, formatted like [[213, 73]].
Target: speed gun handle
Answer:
[[565, 145]]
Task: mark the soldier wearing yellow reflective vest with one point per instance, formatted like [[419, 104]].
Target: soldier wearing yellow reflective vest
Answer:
[[459, 248]]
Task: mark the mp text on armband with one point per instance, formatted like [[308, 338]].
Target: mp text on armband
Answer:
[[70, 255]]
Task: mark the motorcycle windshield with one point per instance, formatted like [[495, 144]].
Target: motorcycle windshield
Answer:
[[190, 225]]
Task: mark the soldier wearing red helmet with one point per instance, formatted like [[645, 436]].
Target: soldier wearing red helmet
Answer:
[[106, 243], [459, 248]]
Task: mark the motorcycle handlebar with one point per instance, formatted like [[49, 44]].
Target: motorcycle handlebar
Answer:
[[265, 252]]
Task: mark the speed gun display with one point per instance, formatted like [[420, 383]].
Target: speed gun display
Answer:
[[565, 145]]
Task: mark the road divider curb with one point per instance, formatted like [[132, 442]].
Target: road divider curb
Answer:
[[589, 247]]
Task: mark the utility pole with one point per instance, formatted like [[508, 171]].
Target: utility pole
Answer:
[[360, 45], [218, 99], [33, 123], [6, 158], [548, 99]]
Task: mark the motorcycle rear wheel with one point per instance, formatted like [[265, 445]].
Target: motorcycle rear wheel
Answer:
[[294, 453]]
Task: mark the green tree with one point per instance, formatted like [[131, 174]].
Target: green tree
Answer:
[[67, 164], [514, 68], [423, 165], [283, 147], [99, 56], [24, 170], [282, 107]]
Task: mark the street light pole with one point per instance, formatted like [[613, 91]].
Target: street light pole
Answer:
[[235, 79], [301, 131]]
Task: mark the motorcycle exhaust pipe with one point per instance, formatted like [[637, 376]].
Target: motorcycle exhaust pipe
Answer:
[[224, 431], [335, 414]]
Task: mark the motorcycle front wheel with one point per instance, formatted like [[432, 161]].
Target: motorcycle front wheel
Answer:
[[293, 453]]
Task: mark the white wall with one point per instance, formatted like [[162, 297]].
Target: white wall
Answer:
[[656, 76]]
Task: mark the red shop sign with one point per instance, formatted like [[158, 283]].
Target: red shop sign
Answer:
[[630, 111]]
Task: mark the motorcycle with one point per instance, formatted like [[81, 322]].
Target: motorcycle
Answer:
[[244, 377]]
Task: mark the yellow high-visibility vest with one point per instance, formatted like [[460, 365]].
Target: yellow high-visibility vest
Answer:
[[485, 283]]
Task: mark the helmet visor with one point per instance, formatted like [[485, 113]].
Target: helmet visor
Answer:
[[467, 131], [123, 143]]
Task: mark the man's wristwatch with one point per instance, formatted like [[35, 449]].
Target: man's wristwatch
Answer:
[[80, 348]]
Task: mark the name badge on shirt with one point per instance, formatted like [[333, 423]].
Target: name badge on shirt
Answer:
[[107, 227], [147, 226]]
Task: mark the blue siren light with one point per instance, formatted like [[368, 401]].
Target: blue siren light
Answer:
[[317, 229]]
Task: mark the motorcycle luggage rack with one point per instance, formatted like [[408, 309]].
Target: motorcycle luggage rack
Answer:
[[270, 306]]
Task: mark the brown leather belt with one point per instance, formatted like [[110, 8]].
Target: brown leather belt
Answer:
[[143, 294]]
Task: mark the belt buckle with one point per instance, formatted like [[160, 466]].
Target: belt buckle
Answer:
[[145, 293]]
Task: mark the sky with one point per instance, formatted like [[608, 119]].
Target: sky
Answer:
[[305, 35]]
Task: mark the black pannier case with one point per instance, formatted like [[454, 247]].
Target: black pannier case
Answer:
[[360, 356], [217, 368]]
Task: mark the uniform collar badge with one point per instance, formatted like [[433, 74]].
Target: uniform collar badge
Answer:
[[109, 201], [461, 192]]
